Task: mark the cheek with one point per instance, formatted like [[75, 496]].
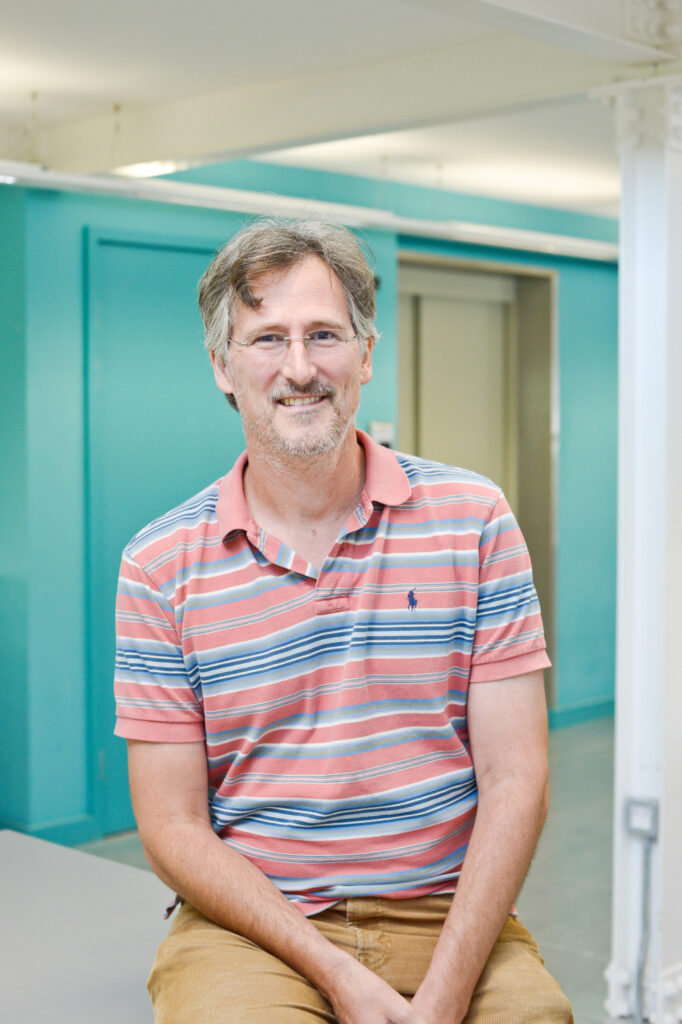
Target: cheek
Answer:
[[256, 387]]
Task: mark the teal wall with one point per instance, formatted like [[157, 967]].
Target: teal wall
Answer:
[[404, 200], [48, 757], [14, 710], [49, 766], [588, 459]]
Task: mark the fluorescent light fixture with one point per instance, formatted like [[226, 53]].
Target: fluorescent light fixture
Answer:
[[152, 169]]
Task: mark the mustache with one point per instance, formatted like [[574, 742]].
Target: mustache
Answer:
[[312, 388]]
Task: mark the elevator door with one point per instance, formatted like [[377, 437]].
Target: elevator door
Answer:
[[458, 366]]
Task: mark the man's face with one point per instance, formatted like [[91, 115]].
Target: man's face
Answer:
[[297, 402]]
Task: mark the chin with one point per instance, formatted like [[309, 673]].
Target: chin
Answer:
[[310, 442], [302, 440], [306, 446]]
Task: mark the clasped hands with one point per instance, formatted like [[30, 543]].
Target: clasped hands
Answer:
[[365, 998]]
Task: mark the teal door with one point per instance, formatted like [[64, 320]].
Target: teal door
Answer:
[[158, 430]]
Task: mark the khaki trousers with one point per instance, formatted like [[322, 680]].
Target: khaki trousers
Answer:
[[204, 974]]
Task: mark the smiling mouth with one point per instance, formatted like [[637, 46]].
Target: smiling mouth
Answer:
[[303, 400]]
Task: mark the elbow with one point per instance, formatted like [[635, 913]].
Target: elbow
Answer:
[[164, 870], [154, 863], [544, 802], [149, 857], [157, 847]]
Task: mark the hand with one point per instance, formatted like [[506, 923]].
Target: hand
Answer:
[[358, 996], [431, 1010]]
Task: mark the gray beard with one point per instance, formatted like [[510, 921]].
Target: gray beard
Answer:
[[263, 431], [305, 447]]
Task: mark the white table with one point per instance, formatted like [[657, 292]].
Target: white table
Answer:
[[77, 935]]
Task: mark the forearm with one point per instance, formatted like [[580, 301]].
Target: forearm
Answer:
[[168, 785], [508, 823], [234, 893], [228, 889]]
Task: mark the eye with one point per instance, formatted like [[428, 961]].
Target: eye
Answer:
[[270, 340], [325, 336]]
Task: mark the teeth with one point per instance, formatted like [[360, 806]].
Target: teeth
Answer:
[[301, 401]]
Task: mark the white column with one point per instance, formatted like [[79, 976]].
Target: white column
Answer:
[[649, 644]]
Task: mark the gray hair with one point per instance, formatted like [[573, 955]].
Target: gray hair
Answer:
[[271, 244]]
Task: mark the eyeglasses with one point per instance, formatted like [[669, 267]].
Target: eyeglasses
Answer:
[[275, 343]]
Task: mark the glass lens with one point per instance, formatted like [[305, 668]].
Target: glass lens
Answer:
[[271, 342], [324, 337], [276, 341]]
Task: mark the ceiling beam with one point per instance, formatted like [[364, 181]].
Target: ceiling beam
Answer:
[[473, 78], [632, 31], [182, 193]]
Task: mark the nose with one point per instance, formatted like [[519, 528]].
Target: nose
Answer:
[[298, 366]]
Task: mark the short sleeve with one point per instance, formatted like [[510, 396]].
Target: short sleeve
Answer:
[[508, 639], [154, 696]]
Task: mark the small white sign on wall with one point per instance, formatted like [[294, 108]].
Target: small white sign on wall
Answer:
[[383, 432]]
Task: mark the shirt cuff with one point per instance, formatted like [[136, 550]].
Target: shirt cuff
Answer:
[[491, 671], [159, 732]]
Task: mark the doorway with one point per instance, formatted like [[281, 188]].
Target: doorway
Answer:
[[477, 388], [157, 431]]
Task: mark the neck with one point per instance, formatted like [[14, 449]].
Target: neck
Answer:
[[312, 489]]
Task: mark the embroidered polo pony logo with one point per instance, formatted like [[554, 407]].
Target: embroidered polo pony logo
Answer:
[[412, 600]]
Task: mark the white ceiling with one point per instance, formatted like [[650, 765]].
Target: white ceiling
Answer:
[[482, 96], [84, 56], [561, 156]]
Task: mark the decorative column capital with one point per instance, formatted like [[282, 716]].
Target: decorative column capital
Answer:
[[654, 22], [649, 114]]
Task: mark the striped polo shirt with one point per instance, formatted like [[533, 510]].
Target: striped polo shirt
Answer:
[[332, 699]]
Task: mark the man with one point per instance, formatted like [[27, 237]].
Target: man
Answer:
[[302, 727]]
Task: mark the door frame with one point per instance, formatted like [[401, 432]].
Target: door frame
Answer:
[[537, 291]]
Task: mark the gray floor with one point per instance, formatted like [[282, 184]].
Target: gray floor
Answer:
[[566, 901]]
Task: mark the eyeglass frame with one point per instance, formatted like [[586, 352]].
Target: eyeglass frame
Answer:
[[287, 340]]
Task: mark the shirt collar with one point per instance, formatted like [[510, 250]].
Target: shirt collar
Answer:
[[385, 480], [232, 511], [385, 483]]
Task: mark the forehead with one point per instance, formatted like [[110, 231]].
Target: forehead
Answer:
[[306, 288]]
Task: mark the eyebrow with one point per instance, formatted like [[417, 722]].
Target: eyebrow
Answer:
[[313, 326]]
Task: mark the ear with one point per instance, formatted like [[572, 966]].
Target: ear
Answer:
[[366, 365], [222, 374]]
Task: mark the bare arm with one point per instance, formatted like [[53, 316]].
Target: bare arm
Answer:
[[508, 731], [168, 784]]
